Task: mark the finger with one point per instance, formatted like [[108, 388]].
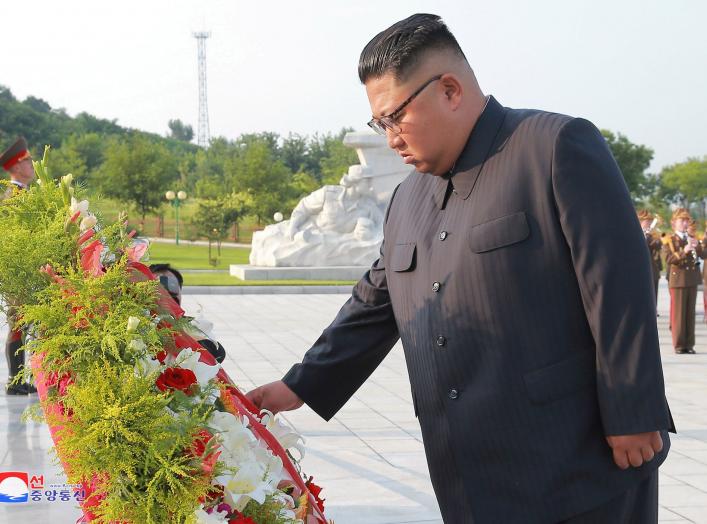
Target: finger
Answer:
[[255, 396], [647, 453], [635, 457], [621, 459], [657, 442]]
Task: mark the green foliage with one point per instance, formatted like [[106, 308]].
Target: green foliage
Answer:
[[34, 225], [139, 172], [179, 131], [686, 181], [214, 217], [633, 160]]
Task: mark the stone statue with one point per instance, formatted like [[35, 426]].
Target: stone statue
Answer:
[[333, 226]]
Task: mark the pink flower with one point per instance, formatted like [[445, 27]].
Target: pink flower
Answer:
[[91, 258]]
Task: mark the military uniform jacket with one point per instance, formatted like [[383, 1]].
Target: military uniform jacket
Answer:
[[518, 288], [683, 268], [655, 249]]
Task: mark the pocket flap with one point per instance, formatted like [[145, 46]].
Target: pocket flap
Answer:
[[403, 257], [499, 232], [562, 378]]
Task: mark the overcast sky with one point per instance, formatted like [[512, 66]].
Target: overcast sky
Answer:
[[634, 66]]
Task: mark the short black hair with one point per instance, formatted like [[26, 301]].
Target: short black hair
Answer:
[[156, 268], [398, 49]]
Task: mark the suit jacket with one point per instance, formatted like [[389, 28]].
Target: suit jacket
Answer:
[[683, 268], [518, 288]]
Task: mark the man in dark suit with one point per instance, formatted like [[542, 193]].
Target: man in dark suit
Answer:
[[514, 271], [17, 162], [682, 255]]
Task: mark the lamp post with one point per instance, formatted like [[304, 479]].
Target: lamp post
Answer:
[[176, 200]]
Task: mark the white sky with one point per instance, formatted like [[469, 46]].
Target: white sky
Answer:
[[634, 66]]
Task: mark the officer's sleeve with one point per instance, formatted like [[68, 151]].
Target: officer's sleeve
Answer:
[[611, 261], [350, 349]]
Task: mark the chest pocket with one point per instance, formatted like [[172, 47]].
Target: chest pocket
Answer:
[[403, 257], [499, 232]]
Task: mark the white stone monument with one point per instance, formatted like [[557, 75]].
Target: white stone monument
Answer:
[[335, 232]]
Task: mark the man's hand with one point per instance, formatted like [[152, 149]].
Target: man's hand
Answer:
[[275, 397], [634, 450]]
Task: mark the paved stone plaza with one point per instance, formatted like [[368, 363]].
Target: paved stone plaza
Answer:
[[370, 457]]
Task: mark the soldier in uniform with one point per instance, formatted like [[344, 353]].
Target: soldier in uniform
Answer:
[[704, 272], [17, 161], [654, 246], [682, 253]]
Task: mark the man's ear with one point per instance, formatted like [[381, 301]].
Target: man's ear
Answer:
[[452, 90]]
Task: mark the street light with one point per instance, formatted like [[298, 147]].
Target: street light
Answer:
[[176, 200]]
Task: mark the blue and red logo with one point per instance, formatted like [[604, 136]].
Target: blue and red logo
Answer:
[[13, 486]]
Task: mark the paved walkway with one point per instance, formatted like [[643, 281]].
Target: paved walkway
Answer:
[[370, 457]]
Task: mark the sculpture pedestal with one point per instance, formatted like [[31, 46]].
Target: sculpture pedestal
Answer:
[[248, 272]]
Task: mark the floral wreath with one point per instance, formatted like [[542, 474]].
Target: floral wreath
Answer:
[[142, 416]]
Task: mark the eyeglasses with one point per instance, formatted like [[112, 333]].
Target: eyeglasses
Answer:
[[389, 121]]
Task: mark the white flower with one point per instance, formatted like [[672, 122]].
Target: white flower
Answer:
[[88, 222], [285, 435], [189, 359], [133, 323], [287, 511], [210, 518], [137, 344], [146, 365], [247, 483], [81, 207], [233, 430]]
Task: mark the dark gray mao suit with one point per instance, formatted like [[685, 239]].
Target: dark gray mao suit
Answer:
[[520, 287]]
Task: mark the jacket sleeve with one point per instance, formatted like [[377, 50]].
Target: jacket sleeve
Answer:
[[612, 265], [351, 348]]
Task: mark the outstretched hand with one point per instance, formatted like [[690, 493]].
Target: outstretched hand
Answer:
[[275, 397], [635, 450]]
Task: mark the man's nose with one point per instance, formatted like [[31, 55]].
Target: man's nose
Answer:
[[394, 140]]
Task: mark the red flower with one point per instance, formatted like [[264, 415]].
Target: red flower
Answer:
[[315, 491], [215, 494], [176, 378], [161, 356], [241, 519], [198, 450], [198, 447], [64, 382]]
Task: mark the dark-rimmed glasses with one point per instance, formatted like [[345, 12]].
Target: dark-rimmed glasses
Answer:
[[389, 121]]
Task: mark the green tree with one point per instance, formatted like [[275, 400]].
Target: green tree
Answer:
[[138, 172], [179, 131], [633, 160], [215, 217], [80, 155], [686, 182], [334, 157], [257, 171]]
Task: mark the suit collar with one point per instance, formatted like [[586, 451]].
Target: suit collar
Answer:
[[468, 166]]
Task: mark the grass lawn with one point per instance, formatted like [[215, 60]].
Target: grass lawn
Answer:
[[224, 279], [186, 256]]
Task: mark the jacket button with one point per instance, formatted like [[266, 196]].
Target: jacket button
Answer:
[[441, 341], [453, 394], [443, 235], [436, 286]]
